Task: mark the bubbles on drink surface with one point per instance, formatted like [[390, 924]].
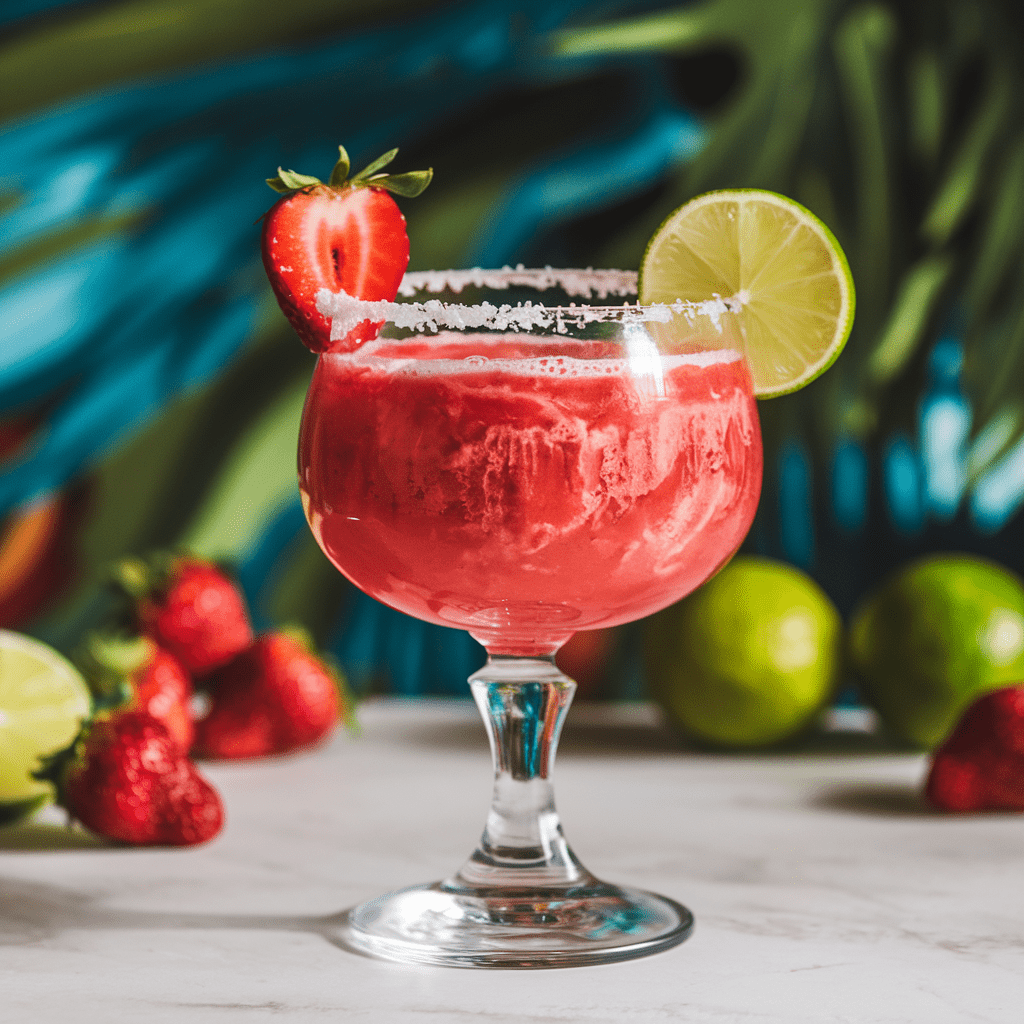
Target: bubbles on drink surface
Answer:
[[525, 355]]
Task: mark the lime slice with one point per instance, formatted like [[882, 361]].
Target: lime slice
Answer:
[[43, 700], [777, 262]]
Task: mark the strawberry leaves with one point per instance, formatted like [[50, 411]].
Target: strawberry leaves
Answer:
[[339, 174], [291, 181], [410, 184]]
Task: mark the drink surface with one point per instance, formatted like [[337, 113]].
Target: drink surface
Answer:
[[526, 488]]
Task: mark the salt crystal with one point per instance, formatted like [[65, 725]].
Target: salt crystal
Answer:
[[347, 312]]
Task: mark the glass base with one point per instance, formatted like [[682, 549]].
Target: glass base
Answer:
[[453, 925]]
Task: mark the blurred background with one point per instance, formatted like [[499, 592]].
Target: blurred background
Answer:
[[150, 389]]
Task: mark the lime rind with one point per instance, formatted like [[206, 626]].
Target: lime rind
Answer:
[[43, 701], [934, 637], [797, 288], [749, 659], [11, 812]]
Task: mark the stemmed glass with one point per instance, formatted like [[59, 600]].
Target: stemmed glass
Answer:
[[524, 454]]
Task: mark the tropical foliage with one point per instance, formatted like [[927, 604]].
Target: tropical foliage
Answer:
[[149, 389]]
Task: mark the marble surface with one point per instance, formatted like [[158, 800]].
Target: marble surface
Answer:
[[824, 891]]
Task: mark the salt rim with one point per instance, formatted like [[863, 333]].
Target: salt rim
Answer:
[[346, 312], [590, 283]]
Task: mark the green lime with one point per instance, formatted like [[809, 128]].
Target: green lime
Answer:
[[774, 259], [935, 636], [43, 701], [749, 658]]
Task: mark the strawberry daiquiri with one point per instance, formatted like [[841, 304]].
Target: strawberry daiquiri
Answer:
[[499, 456], [525, 454], [524, 488], [526, 469]]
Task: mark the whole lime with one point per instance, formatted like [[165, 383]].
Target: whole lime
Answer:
[[749, 658], [935, 636]]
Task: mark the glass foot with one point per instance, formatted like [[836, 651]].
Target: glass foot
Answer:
[[522, 899], [452, 925]]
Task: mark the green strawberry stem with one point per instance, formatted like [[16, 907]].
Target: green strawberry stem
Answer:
[[107, 658], [132, 576], [339, 175], [410, 184], [371, 169], [140, 578], [118, 652]]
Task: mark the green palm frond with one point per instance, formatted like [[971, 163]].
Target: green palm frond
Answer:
[[899, 124], [108, 44]]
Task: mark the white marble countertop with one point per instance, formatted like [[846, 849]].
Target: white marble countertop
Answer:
[[823, 890]]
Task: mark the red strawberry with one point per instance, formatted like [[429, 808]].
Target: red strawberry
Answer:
[[126, 779], [980, 766], [134, 671], [190, 607], [347, 234], [164, 689], [273, 698]]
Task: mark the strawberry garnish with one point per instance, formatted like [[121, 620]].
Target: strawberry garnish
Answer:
[[189, 606], [346, 234], [126, 779], [980, 766], [275, 697]]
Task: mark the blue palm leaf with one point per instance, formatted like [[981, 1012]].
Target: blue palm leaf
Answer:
[[168, 289], [120, 326], [621, 162], [15, 10]]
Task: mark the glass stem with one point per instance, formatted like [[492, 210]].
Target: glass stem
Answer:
[[523, 702]]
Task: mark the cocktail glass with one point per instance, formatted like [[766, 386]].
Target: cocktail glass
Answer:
[[524, 454]]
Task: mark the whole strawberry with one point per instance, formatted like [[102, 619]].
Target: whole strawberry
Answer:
[[127, 779], [980, 766], [164, 689], [132, 671], [344, 234], [273, 698], [190, 607]]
